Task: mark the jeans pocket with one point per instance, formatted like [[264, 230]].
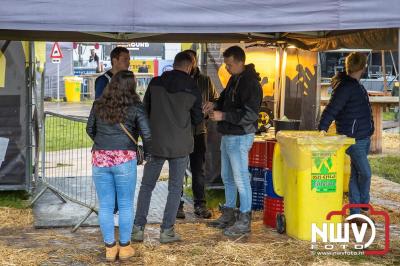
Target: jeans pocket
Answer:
[[247, 142]]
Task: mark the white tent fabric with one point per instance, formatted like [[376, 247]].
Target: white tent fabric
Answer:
[[206, 16]]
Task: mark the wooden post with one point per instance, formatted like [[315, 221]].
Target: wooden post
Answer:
[[91, 87], [376, 139], [384, 72]]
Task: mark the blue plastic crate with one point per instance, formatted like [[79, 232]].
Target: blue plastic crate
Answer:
[[257, 202], [269, 186], [257, 182]]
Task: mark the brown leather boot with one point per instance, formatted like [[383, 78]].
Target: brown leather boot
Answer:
[[126, 251], [111, 252]]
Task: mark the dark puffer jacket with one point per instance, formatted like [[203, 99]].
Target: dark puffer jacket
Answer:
[[240, 101], [349, 106]]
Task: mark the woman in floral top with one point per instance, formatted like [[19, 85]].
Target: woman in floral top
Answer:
[[114, 158]]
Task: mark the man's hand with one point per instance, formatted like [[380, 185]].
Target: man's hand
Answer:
[[322, 133], [217, 116]]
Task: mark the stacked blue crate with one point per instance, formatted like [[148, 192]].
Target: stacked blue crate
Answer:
[[257, 181], [269, 186]]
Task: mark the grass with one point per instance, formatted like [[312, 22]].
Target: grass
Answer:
[[14, 199], [63, 134], [213, 196], [389, 116], [386, 167]]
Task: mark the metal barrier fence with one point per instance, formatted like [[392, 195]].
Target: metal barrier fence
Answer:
[[65, 162], [50, 86], [87, 86]]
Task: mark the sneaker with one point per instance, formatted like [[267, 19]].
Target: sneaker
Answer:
[[180, 213], [137, 233], [169, 236], [126, 251], [111, 252], [202, 212]]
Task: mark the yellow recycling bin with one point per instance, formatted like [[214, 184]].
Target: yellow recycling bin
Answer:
[[346, 173], [308, 173], [73, 88], [347, 163]]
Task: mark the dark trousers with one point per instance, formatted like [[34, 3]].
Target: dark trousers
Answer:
[[152, 170], [197, 165]]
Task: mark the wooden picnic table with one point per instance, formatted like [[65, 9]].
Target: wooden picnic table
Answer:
[[378, 103]]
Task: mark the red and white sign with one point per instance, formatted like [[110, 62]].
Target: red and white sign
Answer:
[[56, 52]]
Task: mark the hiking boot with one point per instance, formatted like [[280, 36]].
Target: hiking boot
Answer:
[[126, 251], [180, 214], [202, 212], [241, 227], [137, 233], [169, 236], [226, 219], [360, 221], [111, 252]]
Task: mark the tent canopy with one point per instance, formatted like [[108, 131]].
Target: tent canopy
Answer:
[[310, 24]]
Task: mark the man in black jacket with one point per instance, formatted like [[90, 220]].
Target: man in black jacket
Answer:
[[237, 112], [349, 106], [197, 157], [173, 103]]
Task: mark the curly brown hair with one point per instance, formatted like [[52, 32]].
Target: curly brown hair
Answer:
[[119, 94]]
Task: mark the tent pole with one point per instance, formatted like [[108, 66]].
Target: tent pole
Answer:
[[398, 77], [31, 86], [276, 85], [283, 83]]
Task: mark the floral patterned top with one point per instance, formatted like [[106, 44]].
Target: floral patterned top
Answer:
[[106, 158]]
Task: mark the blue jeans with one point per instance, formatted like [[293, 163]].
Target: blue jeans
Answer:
[[120, 181], [360, 177], [235, 170]]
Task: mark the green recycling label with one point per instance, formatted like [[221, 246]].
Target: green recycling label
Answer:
[[323, 172]]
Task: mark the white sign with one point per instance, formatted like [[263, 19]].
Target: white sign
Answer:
[[135, 45]]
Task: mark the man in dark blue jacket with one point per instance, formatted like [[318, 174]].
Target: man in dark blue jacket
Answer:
[[119, 61], [349, 106]]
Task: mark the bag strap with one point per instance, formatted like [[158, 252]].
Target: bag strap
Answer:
[[127, 133], [107, 76]]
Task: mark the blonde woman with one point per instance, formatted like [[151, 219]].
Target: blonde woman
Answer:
[[349, 106]]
